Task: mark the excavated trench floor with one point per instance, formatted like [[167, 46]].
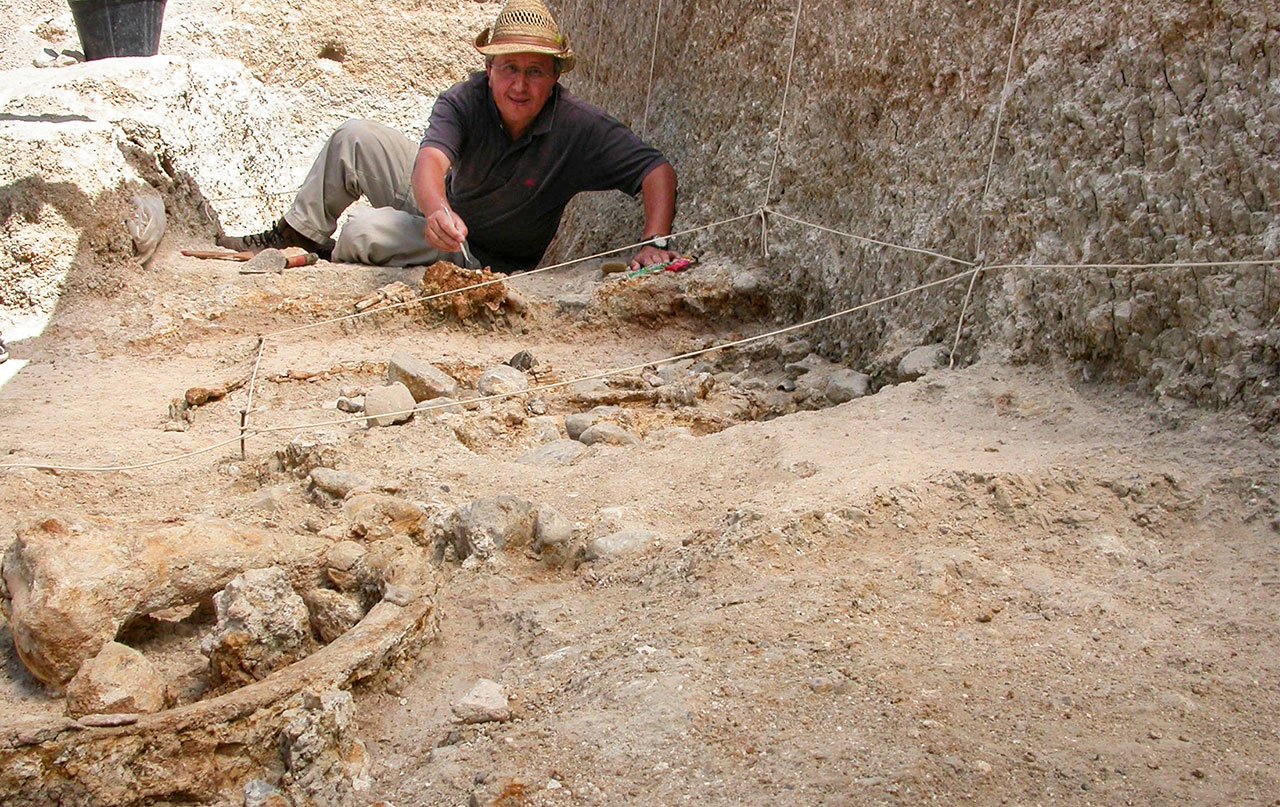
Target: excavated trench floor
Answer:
[[994, 582]]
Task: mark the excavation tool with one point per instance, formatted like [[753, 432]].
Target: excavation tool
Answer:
[[218, 255], [259, 262], [466, 252], [678, 265]]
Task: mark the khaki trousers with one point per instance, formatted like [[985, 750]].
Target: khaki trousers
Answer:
[[362, 158]]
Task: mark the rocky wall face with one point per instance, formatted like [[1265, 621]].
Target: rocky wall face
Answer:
[[1139, 132]]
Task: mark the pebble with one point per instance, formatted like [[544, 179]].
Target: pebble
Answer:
[[921, 360], [485, 703], [557, 452], [344, 555], [351, 405], [579, 422], [845, 385], [551, 528], [523, 361], [271, 499], [424, 381], [382, 402], [336, 483], [502, 380], [398, 595], [619, 543], [608, 434]]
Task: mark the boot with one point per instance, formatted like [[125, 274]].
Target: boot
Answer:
[[280, 235]]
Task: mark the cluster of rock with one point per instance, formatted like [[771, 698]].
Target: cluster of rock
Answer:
[[71, 589], [772, 376]]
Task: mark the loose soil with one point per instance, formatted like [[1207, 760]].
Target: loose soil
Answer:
[[993, 584]]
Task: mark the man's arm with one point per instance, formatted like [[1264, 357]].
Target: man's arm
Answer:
[[445, 230], [658, 190]]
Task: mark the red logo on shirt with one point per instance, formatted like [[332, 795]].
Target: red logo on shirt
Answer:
[[529, 183]]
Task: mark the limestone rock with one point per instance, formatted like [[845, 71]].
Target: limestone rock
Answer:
[[557, 452], [325, 762], [337, 484], [351, 405], [332, 613], [523, 361], [619, 543], [307, 452], [553, 536], [375, 516], [921, 360], [545, 428], [485, 703], [261, 793], [579, 422], [845, 385], [263, 626], [487, 526], [70, 588], [119, 680], [276, 497], [502, 379], [344, 555], [424, 381], [389, 405], [608, 434]]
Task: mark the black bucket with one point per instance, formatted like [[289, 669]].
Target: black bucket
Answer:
[[118, 27]]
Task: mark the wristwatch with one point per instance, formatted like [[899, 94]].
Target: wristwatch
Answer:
[[662, 241]]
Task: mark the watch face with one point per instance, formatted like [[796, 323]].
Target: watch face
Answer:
[[661, 242]]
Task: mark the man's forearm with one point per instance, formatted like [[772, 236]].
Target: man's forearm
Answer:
[[658, 191], [429, 171], [444, 229]]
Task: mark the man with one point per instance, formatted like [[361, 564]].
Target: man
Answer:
[[503, 154]]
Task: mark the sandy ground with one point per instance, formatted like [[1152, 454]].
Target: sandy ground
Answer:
[[991, 585]]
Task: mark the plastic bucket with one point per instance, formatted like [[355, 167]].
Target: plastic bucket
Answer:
[[118, 27]]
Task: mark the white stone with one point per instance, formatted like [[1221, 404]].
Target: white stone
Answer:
[[119, 680], [424, 381], [389, 405], [485, 703], [502, 380]]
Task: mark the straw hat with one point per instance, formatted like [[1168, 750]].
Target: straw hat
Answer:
[[526, 26]]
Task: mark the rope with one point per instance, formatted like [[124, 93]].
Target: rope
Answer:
[[986, 187], [691, 354], [482, 284], [135, 467], [916, 250], [782, 114], [653, 60], [634, 367], [253, 384]]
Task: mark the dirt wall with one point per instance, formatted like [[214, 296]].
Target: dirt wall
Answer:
[[1137, 132]]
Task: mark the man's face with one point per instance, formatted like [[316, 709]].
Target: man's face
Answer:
[[521, 83]]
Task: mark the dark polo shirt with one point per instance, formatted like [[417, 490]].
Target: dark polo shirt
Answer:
[[511, 195]]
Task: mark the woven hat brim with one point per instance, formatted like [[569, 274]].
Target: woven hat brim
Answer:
[[566, 57]]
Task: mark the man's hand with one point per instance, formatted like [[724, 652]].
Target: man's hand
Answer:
[[650, 255], [445, 230]]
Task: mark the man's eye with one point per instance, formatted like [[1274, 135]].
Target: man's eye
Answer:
[[536, 73]]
